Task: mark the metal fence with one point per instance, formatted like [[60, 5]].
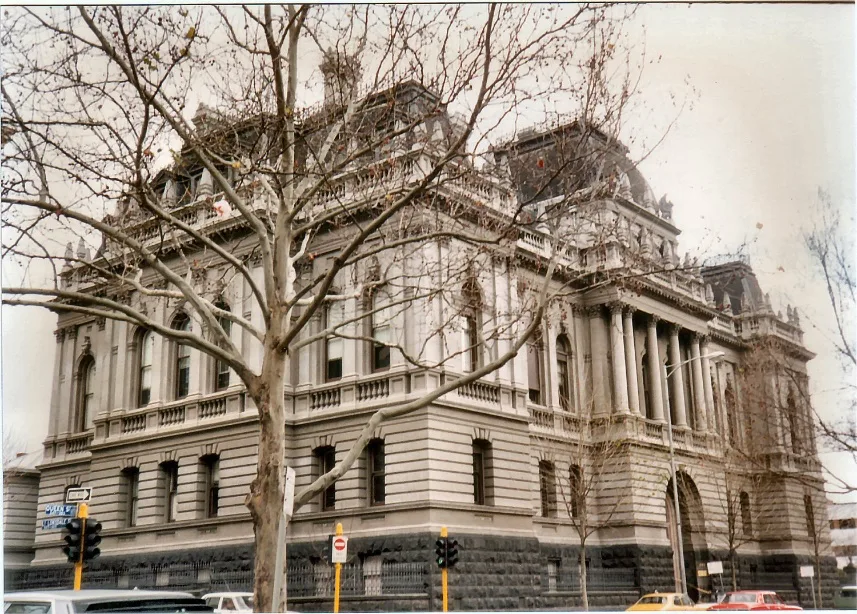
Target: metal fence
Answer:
[[597, 579], [371, 578]]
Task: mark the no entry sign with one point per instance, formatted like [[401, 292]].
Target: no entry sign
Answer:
[[339, 549]]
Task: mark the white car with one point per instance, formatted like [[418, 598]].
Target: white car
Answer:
[[100, 600], [229, 602]]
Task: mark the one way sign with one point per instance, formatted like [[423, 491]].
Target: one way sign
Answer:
[[78, 495]]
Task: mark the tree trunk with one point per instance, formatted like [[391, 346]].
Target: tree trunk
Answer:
[[584, 590], [266, 491], [732, 564]]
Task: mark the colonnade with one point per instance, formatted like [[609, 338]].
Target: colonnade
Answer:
[[625, 381]]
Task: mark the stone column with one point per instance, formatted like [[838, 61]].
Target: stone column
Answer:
[[708, 391], [617, 343], [631, 362], [598, 351], [677, 378], [698, 384], [656, 396]]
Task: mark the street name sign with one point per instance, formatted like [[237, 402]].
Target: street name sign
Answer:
[[78, 495], [715, 567], [51, 524], [58, 509], [807, 571], [339, 551]]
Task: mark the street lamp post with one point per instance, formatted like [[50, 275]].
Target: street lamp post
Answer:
[[679, 538]]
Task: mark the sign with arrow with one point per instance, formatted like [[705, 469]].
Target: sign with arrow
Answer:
[[78, 495]]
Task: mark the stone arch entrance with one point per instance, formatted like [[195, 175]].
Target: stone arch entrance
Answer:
[[694, 544]]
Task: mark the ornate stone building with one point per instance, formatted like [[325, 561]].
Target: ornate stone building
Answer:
[[571, 433]]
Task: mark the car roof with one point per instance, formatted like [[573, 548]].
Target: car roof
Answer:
[[228, 594], [93, 593]]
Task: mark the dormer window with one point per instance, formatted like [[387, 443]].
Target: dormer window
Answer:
[[186, 186]]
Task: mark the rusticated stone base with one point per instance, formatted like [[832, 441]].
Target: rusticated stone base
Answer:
[[493, 573]]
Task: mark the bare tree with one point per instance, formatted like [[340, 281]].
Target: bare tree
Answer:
[[830, 244], [305, 201], [580, 460]]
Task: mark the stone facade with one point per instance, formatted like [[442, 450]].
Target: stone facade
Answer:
[[168, 440]]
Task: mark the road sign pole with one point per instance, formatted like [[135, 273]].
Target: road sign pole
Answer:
[[444, 575], [83, 513], [338, 575]]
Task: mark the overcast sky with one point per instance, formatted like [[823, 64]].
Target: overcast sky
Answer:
[[773, 120]]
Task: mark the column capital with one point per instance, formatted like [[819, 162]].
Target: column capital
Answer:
[[59, 334], [616, 307], [577, 309], [653, 319], [595, 311], [674, 328], [630, 310], [703, 338]]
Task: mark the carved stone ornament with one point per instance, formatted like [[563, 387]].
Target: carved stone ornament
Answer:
[[71, 331], [101, 323], [59, 334]]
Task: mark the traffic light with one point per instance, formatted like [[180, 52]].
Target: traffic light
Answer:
[[440, 552], [91, 539], [72, 537], [451, 552]]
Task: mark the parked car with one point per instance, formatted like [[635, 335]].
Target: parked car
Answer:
[[845, 598], [101, 600], [662, 601], [229, 602], [753, 600]]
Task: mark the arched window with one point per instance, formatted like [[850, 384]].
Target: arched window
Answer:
[[182, 358], [86, 394], [746, 515], [221, 368], [563, 369], [147, 353], [382, 330]]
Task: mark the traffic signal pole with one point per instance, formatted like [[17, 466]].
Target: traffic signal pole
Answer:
[[83, 514], [338, 576], [444, 574]]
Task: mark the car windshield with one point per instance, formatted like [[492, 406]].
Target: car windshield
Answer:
[[18, 607], [650, 599], [248, 599], [740, 598]]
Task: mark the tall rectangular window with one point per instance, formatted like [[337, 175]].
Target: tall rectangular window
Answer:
[[534, 372], [377, 474], [326, 461], [211, 468], [147, 352], [576, 490], [131, 479], [563, 368], [381, 330], [333, 348], [170, 481], [547, 488], [473, 345], [746, 514], [478, 473], [182, 356], [221, 368], [810, 516]]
